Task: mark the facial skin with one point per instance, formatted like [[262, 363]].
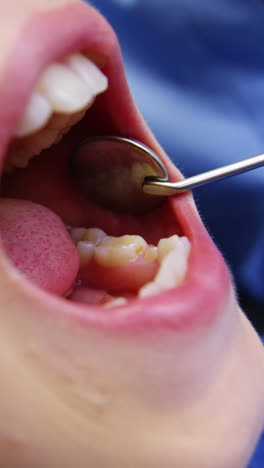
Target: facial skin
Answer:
[[175, 381]]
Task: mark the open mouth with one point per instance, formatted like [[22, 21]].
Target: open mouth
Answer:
[[158, 266]]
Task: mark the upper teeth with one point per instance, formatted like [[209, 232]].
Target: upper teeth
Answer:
[[88, 72], [62, 88], [36, 114]]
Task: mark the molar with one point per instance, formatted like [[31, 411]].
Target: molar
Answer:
[[77, 234], [94, 235], [117, 251], [171, 254], [87, 240]]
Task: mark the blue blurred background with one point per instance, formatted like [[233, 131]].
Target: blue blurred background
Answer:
[[196, 70]]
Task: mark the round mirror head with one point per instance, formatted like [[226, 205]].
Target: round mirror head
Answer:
[[110, 171]]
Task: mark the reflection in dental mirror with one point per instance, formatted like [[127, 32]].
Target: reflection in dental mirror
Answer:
[[111, 171]]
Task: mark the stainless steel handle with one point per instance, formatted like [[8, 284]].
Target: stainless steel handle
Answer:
[[160, 187]]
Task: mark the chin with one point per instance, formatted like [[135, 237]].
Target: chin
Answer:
[[104, 365]]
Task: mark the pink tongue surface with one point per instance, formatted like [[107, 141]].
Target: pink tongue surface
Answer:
[[38, 244]]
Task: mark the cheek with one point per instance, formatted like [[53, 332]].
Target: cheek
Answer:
[[68, 399]]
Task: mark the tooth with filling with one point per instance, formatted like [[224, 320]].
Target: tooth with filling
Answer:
[[35, 116], [117, 251], [65, 90], [88, 72], [173, 267]]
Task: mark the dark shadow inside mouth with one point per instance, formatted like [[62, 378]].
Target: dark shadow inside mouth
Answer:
[[50, 258], [48, 180]]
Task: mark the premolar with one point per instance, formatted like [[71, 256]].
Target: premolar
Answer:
[[117, 251]]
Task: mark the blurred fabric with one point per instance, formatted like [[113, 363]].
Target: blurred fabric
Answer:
[[196, 70]]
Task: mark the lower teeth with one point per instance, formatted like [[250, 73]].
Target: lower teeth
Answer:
[[167, 262]]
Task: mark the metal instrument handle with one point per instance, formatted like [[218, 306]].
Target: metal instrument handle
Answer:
[[155, 186]]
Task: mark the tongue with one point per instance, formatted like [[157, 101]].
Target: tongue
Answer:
[[38, 244]]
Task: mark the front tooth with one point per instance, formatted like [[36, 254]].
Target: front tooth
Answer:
[[35, 116], [88, 72], [64, 89], [117, 251], [172, 270]]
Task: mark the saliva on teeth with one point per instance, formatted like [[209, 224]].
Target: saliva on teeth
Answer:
[[170, 255]]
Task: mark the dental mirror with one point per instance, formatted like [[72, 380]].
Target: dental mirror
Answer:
[[126, 176], [111, 171]]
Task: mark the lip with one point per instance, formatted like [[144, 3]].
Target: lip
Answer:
[[207, 286]]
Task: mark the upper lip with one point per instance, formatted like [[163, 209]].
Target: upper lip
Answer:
[[55, 35]]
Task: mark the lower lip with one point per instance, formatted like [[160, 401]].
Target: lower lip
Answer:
[[197, 303]]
